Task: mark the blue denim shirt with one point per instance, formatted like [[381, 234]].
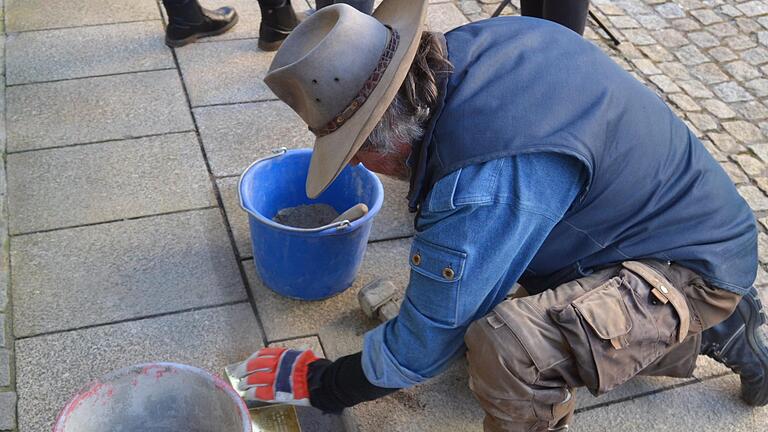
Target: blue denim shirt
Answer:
[[485, 223]]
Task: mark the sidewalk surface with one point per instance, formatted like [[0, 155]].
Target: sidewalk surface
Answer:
[[121, 226]]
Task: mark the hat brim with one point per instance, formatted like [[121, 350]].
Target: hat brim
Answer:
[[334, 151]]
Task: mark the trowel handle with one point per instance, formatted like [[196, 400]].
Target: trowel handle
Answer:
[[354, 213]]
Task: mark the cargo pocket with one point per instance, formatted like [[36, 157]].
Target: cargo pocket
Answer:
[[436, 273], [622, 326]]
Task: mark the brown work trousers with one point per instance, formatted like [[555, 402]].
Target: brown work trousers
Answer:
[[640, 318]]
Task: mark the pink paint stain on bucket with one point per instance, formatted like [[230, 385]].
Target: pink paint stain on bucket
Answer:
[[155, 397]]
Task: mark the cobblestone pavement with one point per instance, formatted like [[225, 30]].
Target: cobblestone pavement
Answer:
[[127, 243]]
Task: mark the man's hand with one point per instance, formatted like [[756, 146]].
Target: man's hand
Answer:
[[276, 376]]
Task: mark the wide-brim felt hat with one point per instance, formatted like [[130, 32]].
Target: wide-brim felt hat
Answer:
[[339, 70]]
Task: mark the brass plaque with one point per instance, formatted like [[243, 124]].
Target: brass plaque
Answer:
[[272, 418], [276, 418]]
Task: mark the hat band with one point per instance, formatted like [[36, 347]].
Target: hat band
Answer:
[[365, 92]]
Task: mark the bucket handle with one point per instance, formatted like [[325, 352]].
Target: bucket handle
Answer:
[[275, 153]]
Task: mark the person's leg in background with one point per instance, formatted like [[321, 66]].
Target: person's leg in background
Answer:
[[532, 8], [188, 21], [570, 13], [364, 6], [278, 19], [529, 354]]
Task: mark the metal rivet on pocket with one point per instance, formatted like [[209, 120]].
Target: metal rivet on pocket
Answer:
[[416, 259], [448, 273]]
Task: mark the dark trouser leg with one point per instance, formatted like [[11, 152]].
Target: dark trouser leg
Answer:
[[270, 3], [188, 21], [527, 356], [278, 19], [188, 10], [364, 6], [570, 13], [532, 8]]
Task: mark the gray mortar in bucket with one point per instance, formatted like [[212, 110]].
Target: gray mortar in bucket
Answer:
[[306, 216], [158, 397]]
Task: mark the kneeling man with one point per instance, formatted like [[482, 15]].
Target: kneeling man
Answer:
[[532, 158]]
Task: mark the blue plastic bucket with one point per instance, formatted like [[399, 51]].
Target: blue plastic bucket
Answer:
[[306, 264]]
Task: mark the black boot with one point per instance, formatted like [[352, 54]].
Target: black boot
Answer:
[[277, 20], [741, 343], [188, 21]]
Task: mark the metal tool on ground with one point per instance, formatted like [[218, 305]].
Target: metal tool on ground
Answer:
[[354, 213], [378, 300], [271, 418]]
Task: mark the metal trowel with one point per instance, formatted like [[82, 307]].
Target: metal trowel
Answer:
[[270, 418], [353, 213]]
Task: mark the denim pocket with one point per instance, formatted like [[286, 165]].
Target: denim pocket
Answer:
[[436, 273]]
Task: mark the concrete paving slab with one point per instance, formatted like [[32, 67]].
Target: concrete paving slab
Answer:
[[446, 403], [225, 72], [302, 343], [338, 321], [3, 131], [711, 406], [210, 339], [393, 221], [78, 185], [7, 410], [236, 135], [124, 270], [3, 331], [443, 17], [24, 15], [95, 109], [441, 404], [86, 51], [4, 239], [5, 367], [236, 216]]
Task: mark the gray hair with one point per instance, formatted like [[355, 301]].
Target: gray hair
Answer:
[[397, 125], [404, 120]]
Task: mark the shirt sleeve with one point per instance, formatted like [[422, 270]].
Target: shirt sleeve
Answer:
[[478, 230]]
